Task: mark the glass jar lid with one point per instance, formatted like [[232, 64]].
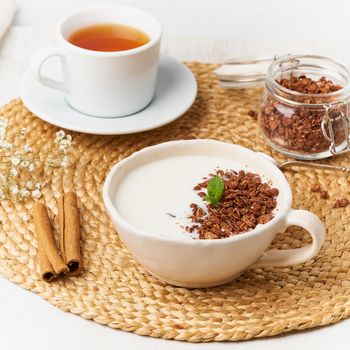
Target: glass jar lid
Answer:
[[244, 72]]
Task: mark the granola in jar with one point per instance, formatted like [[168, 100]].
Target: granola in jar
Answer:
[[304, 97]]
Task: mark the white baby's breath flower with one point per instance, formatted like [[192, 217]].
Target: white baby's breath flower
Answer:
[[65, 162], [27, 149], [25, 217], [24, 193], [14, 189], [25, 164], [36, 194], [30, 184], [59, 136], [15, 160], [5, 145], [14, 172], [10, 184], [64, 145], [62, 148]]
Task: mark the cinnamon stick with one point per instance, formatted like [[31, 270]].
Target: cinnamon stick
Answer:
[[47, 272], [51, 264], [69, 229]]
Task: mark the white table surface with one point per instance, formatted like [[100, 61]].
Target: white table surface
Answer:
[[194, 30]]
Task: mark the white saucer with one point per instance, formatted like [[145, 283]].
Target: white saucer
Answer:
[[176, 90]]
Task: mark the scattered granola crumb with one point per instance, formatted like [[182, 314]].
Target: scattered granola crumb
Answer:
[[341, 203], [197, 212], [324, 194], [253, 114], [315, 188], [171, 215]]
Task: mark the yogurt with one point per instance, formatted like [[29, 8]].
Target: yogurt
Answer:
[[156, 197]]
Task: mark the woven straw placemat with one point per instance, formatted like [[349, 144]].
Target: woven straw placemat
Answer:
[[116, 291]]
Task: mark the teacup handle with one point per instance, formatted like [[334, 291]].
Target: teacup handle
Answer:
[[289, 257], [39, 60]]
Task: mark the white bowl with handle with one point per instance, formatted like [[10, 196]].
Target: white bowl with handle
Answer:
[[198, 263]]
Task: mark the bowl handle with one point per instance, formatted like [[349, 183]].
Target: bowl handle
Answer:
[[288, 257]]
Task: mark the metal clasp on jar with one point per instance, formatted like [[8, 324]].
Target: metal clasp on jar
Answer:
[[328, 127], [287, 65]]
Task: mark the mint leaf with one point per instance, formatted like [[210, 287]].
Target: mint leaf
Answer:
[[215, 190]]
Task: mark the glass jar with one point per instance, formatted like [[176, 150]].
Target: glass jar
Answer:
[[306, 125]]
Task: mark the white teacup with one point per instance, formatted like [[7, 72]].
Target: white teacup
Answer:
[[104, 84], [203, 263]]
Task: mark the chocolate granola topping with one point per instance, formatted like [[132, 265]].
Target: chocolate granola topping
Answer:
[[246, 202]]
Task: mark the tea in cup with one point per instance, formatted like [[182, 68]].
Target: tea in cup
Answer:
[[109, 56]]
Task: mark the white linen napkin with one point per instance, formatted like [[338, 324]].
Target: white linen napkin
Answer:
[[7, 10]]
